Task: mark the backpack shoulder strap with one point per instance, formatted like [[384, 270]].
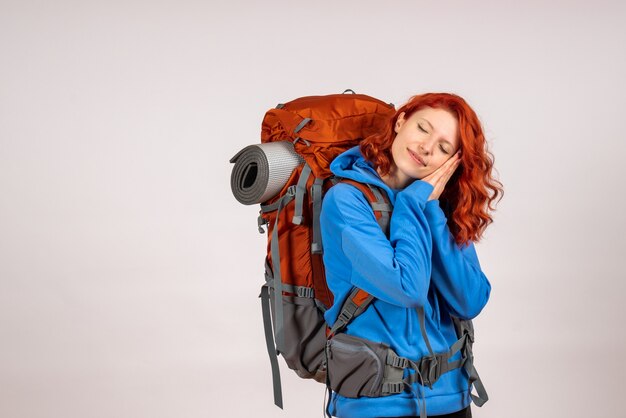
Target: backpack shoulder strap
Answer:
[[377, 197], [359, 300], [355, 304]]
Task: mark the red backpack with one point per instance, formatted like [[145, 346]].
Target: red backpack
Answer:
[[295, 295]]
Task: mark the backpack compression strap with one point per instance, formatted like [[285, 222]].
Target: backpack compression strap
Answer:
[[466, 328], [274, 282]]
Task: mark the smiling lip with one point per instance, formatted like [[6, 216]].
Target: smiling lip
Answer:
[[416, 158]]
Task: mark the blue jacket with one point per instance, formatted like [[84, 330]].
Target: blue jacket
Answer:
[[418, 265]]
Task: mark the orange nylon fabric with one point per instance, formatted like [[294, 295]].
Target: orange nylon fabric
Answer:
[[294, 241], [360, 297], [338, 122], [298, 266]]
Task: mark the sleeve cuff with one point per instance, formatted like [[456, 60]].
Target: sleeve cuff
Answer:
[[434, 213], [420, 191]]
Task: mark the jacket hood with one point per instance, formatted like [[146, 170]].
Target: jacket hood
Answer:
[[352, 165]]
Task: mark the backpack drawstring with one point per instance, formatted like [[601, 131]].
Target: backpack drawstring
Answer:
[[419, 395]]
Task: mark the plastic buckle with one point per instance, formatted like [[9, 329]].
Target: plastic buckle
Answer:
[[260, 222], [430, 370]]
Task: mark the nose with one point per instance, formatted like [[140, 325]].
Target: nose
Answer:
[[424, 149]]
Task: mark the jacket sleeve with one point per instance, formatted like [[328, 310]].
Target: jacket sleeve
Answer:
[[396, 270], [456, 274]]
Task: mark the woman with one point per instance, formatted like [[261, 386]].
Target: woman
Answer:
[[436, 171]]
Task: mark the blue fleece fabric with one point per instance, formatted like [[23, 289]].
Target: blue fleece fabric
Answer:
[[419, 265]]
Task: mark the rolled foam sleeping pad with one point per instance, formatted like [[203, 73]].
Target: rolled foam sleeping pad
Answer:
[[262, 170]]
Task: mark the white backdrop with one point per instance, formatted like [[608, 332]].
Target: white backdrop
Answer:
[[129, 275]]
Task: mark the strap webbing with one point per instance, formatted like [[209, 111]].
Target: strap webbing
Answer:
[[316, 195], [300, 291], [421, 316], [300, 192], [474, 379], [301, 125], [382, 206], [465, 328], [329, 392], [271, 351], [278, 286], [433, 366], [270, 208], [350, 310]]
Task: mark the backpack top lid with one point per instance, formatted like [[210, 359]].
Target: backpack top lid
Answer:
[[322, 127]]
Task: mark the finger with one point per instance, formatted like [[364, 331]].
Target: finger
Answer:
[[451, 169], [445, 170], [449, 166], [454, 166], [445, 166], [452, 160]]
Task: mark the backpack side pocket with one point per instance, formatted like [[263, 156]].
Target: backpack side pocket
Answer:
[[356, 366]]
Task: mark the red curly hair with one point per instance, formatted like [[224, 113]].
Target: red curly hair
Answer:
[[468, 196]]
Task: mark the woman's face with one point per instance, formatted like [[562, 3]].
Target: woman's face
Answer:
[[424, 141]]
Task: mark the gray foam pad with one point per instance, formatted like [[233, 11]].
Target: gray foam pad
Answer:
[[261, 171]]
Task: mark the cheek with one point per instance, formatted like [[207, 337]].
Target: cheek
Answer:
[[438, 163], [429, 172], [395, 149]]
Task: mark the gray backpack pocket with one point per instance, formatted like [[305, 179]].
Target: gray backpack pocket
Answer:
[[356, 366], [304, 322]]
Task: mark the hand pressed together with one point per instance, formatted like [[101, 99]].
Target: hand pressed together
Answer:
[[440, 176]]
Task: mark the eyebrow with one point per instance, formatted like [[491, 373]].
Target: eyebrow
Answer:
[[433, 128]]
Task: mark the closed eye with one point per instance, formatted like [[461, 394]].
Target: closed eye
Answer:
[[443, 149], [421, 129]]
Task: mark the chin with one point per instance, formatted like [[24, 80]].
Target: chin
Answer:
[[420, 175]]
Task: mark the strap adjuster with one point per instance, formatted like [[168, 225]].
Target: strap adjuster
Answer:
[[430, 370], [291, 190], [393, 387], [344, 316], [305, 292], [396, 361]]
